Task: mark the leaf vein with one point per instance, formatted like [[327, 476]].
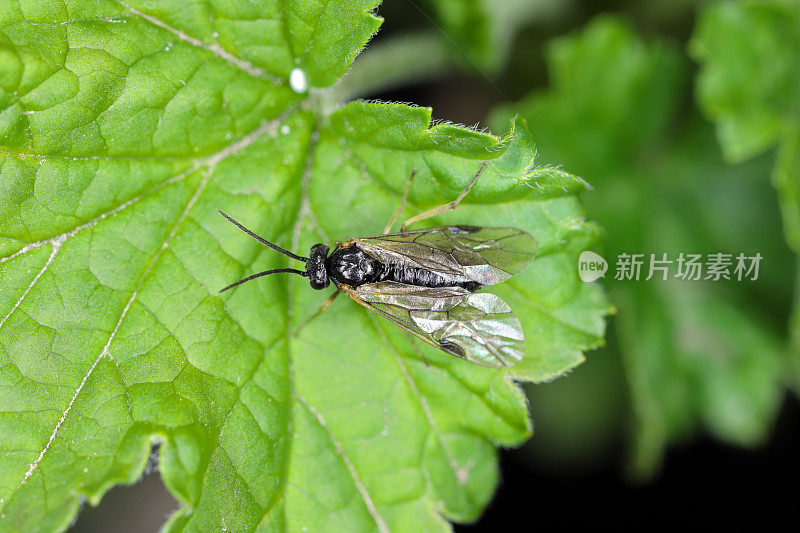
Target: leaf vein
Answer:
[[212, 163], [215, 49], [418, 394], [340, 451]]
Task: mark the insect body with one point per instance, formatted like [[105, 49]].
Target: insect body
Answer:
[[425, 281]]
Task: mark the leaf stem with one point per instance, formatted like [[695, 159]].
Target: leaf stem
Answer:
[[395, 62]]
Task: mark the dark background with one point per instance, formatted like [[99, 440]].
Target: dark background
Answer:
[[703, 485]]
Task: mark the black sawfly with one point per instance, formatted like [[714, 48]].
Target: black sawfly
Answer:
[[425, 281]]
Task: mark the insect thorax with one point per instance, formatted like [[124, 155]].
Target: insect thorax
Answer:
[[349, 265]]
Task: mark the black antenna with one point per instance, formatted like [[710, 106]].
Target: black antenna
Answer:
[[263, 241], [266, 272]]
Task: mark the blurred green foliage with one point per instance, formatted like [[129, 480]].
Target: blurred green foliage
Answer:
[[749, 85], [484, 29], [695, 354]]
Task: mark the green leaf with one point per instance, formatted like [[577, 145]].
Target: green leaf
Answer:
[[749, 85], [619, 111], [749, 81], [123, 129], [694, 353]]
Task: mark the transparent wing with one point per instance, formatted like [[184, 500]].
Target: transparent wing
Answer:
[[485, 255], [478, 327]]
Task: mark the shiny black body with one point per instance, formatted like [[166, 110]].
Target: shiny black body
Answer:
[[349, 265]]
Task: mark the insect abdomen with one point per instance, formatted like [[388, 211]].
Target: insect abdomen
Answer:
[[421, 277]]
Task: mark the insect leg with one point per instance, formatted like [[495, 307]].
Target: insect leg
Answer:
[[446, 207], [402, 203], [326, 304]]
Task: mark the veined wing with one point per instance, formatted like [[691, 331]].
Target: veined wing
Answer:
[[478, 327], [485, 255]]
